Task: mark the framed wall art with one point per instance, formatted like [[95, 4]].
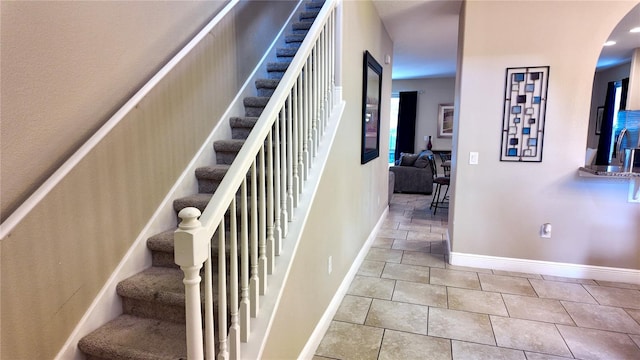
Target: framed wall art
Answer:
[[371, 93], [445, 120], [523, 120]]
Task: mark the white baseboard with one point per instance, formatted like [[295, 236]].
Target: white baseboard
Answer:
[[577, 271], [322, 326]]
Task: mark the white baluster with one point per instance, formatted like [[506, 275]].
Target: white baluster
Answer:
[[254, 282], [297, 144], [262, 224], [332, 54], [324, 89], [245, 323], [285, 131], [314, 102], [190, 250], [305, 120], [330, 57], [270, 243], [223, 346], [209, 325], [234, 329], [321, 86], [277, 182], [300, 135]]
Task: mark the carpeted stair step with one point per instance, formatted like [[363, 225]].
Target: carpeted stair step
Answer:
[[301, 27], [162, 249], [226, 150], [241, 126], [266, 87], [314, 4], [156, 293], [294, 38], [209, 177], [132, 338], [309, 15], [276, 70], [253, 105], [198, 201], [287, 52]]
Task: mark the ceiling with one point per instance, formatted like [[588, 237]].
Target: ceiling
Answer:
[[425, 37]]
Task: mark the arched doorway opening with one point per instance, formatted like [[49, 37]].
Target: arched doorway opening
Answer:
[[616, 78]]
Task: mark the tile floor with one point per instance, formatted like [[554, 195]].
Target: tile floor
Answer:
[[406, 302]]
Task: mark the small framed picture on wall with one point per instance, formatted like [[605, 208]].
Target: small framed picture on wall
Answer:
[[445, 120]]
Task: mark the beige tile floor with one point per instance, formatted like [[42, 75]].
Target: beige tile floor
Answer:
[[406, 302]]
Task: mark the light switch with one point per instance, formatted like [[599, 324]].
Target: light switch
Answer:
[[473, 158]]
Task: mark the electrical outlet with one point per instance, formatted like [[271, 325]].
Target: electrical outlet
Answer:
[[330, 265], [545, 231], [473, 158]]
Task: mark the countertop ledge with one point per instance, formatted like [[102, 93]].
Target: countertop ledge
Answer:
[[607, 172]]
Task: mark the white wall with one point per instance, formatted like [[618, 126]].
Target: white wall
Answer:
[[498, 207], [633, 95], [431, 93], [351, 197], [67, 66]]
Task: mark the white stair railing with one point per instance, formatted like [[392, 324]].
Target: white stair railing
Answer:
[[267, 178]]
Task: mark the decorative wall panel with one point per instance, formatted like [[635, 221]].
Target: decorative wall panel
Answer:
[[525, 102]]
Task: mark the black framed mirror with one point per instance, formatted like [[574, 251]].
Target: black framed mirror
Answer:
[[371, 92]]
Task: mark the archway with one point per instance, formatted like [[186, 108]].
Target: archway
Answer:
[[616, 78]]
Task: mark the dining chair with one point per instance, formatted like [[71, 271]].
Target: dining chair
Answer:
[[440, 181]]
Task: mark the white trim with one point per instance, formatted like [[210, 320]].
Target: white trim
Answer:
[[321, 328], [23, 210], [447, 242], [577, 271]]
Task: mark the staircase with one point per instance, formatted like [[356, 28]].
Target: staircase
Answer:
[[152, 325]]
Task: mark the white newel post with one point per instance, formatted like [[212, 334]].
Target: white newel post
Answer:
[[190, 253]]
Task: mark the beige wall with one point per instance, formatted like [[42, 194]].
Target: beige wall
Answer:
[[350, 199], [67, 66], [431, 93], [498, 207], [63, 77]]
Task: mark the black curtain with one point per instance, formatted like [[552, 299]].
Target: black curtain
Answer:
[[406, 130], [604, 143], [606, 131], [623, 94]]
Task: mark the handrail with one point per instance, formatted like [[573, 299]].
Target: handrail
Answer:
[[44, 189], [277, 156], [211, 216]]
